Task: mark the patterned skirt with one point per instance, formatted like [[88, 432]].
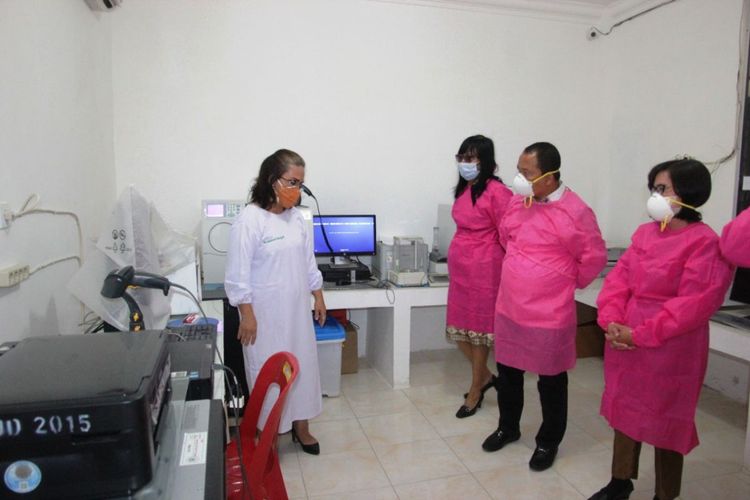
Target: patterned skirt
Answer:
[[453, 335]]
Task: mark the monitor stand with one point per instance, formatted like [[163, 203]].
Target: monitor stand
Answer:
[[343, 263]]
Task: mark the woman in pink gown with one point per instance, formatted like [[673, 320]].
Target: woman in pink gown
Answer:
[[475, 258], [735, 240], [655, 306]]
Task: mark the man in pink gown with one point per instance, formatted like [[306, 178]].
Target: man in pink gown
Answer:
[[553, 246]]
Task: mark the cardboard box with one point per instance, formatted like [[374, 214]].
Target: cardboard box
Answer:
[[589, 341], [349, 352], [589, 337]]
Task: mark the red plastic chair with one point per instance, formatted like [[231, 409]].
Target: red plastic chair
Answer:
[[260, 456]]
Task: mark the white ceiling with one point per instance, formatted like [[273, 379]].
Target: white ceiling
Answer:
[[578, 11]]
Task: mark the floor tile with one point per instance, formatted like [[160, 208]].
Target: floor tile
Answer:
[[450, 488], [443, 419], [342, 472], [521, 483], [386, 430], [365, 380], [335, 409], [336, 436], [369, 404], [386, 493], [419, 461]]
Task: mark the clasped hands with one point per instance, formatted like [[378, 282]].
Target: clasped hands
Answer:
[[620, 337]]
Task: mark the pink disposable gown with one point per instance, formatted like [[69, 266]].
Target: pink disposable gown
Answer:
[[735, 240], [665, 287], [551, 249], [475, 258]]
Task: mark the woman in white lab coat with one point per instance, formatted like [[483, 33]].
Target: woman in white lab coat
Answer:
[[270, 274]]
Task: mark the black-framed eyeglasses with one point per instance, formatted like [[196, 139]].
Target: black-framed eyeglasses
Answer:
[[660, 188]]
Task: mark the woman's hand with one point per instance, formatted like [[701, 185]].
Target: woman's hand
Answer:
[[620, 337], [248, 329], [319, 307]]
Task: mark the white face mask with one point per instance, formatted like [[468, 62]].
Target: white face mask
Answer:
[[659, 209], [663, 209], [468, 171], [522, 186]]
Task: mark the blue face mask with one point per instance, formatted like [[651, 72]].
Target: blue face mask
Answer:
[[468, 171]]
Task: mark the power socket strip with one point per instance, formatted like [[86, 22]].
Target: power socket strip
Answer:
[[13, 275]]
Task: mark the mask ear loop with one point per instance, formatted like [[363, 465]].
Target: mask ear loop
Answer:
[[663, 224]]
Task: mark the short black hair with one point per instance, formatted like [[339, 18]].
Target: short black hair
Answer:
[[691, 180], [547, 156], [272, 168], [484, 149]]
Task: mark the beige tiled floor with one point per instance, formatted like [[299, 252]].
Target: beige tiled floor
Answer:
[[382, 444]]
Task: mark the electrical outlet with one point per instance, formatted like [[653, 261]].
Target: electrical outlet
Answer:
[[4, 215], [13, 275]]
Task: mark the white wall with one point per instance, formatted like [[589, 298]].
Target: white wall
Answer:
[[375, 96], [55, 140], [670, 79]]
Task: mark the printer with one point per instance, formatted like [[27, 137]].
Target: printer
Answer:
[[81, 415]]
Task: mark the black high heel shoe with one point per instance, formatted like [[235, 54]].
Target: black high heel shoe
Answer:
[[491, 383], [312, 449], [465, 411]]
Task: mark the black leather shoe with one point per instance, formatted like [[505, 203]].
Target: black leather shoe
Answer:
[[615, 490], [312, 449], [498, 439], [543, 458], [465, 411]]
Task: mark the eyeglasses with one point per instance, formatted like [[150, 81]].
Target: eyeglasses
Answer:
[[291, 182], [661, 189]]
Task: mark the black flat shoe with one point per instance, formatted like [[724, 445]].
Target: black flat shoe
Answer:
[[312, 449], [465, 411], [485, 387], [498, 439], [543, 458], [615, 490]]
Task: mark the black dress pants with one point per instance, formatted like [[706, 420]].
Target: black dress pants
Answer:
[[553, 395]]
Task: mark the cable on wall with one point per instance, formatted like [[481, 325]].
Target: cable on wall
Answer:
[[596, 31]]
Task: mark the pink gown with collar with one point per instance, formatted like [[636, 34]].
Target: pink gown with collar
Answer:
[[735, 240], [551, 249], [475, 259], [665, 287]]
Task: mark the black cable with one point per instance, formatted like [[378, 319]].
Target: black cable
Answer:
[[631, 18], [320, 218]]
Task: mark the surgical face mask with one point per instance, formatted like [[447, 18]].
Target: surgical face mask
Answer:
[[288, 196], [660, 209], [468, 171], [525, 187]]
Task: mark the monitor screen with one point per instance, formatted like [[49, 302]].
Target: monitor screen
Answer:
[[347, 234]]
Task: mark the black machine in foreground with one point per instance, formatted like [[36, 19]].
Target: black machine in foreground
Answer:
[[98, 416], [80, 414]]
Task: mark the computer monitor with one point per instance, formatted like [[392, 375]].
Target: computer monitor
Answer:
[[347, 235]]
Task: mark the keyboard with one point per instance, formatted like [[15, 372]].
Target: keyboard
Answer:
[[192, 332], [742, 323]]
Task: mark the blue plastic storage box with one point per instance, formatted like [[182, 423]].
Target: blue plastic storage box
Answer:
[[329, 338]]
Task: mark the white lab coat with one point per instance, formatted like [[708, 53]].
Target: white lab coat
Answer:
[[271, 265]]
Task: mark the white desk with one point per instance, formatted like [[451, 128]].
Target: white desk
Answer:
[[388, 323], [722, 338]]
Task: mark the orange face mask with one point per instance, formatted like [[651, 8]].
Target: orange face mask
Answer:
[[288, 196]]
